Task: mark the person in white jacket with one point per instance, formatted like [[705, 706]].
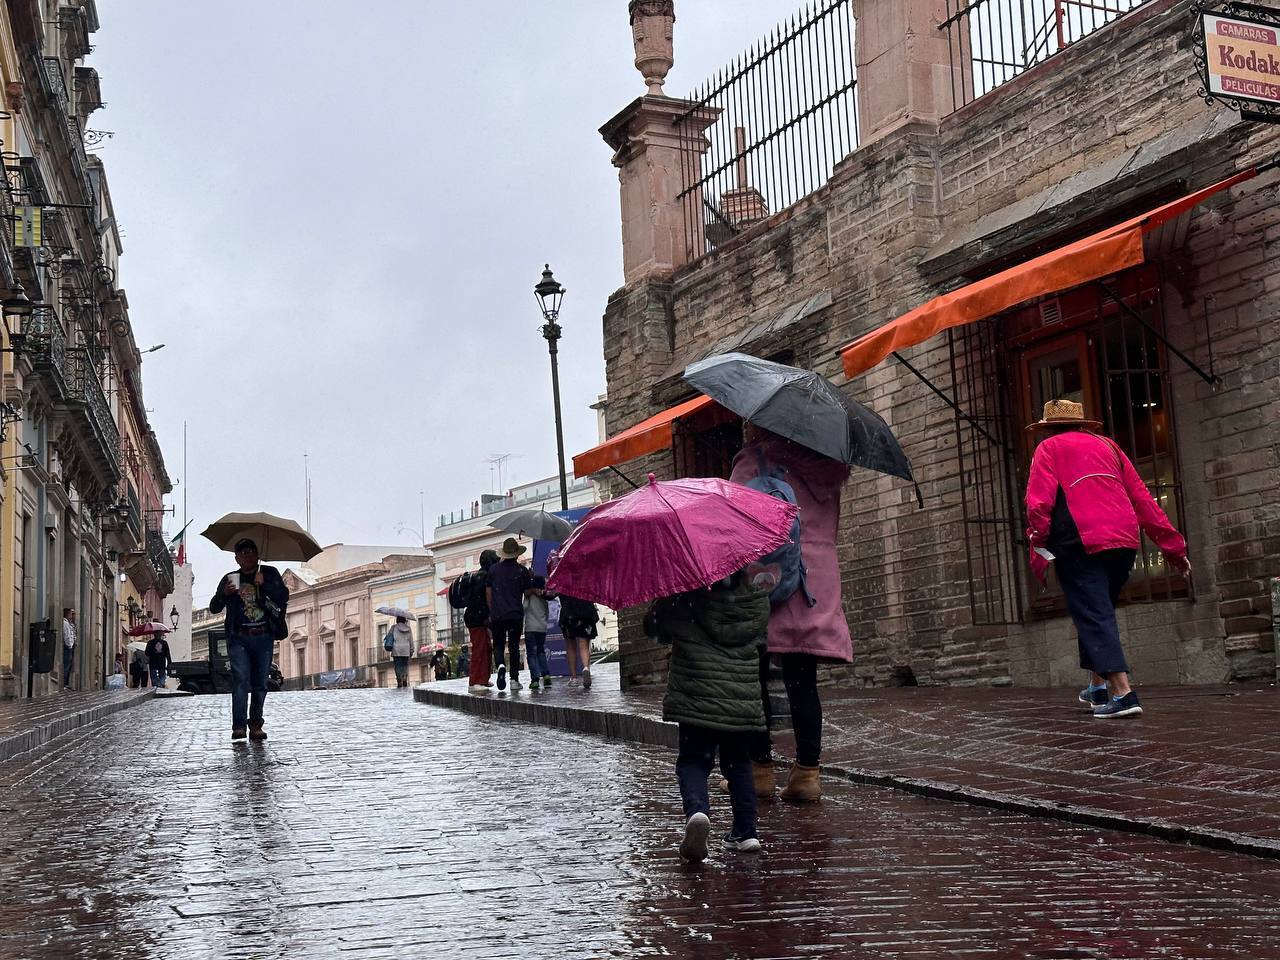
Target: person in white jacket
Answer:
[[399, 640]]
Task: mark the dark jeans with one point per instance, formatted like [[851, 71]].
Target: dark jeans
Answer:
[[402, 668], [693, 765], [1091, 585], [157, 675], [68, 658], [800, 675], [535, 650], [250, 663], [506, 639]]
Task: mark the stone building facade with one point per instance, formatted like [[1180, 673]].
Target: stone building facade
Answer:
[[935, 198]]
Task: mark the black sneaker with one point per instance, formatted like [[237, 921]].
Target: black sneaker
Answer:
[[1092, 696], [741, 844], [586, 679], [502, 677], [694, 845], [1116, 707]]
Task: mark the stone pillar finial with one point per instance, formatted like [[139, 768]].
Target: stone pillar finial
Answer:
[[651, 30]]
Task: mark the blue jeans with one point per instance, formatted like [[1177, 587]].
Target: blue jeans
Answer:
[[697, 755], [535, 648], [157, 676], [250, 663], [68, 656]]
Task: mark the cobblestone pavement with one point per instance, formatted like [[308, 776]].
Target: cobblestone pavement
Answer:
[[370, 826], [27, 723]]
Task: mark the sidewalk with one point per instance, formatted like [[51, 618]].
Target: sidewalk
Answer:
[[30, 723], [1201, 766]]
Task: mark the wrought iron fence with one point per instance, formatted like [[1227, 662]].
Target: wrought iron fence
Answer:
[[993, 41], [44, 339], [767, 130]]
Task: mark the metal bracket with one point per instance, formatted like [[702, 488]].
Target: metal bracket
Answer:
[[945, 398], [634, 485]]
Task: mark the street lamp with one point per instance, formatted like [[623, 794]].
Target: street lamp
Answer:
[[173, 617], [549, 293]]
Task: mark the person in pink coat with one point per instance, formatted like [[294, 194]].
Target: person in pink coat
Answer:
[[1085, 506], [802, 636]]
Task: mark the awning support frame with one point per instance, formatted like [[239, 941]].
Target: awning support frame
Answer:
[[945, 398], [1213, 380], [634, 485]]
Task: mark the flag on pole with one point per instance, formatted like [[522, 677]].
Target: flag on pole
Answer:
[[181, 541]]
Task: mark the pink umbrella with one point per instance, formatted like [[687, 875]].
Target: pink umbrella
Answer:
[[154, 626], [666, 538]]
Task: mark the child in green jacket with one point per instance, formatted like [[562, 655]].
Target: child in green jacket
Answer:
[[713, 693]]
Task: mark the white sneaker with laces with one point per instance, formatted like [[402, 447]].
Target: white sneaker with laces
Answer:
[[477, 688]]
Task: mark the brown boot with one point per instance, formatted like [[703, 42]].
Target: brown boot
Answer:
[[802, 785], [766, 785]]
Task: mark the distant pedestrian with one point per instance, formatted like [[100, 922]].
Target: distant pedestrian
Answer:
[[68, 644], [1085, 506], [476, 619], [399, 643], [441, 666], [158, 660], [464, 661], [713, 694], [578, 620], [508, 581], [809, 626], [137, 669], [535, 632], [253, 597]]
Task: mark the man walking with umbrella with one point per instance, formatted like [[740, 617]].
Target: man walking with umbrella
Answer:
[[249, 595]]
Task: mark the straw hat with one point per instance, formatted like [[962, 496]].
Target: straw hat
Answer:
[[510, 549], [1065, 413]]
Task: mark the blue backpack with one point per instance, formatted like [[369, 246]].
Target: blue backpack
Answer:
[[786, 562]]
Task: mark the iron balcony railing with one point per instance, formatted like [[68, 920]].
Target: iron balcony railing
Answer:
[[44, 342], [768, 129], [86, 389], [993, 41], [160, 557], [68, 126]]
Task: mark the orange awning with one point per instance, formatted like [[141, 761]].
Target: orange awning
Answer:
[[1096, 256], [647, 436]]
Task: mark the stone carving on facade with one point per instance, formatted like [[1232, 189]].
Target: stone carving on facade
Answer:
[[651, 30]]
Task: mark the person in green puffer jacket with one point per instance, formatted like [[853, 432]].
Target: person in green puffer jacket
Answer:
[[713, 693]]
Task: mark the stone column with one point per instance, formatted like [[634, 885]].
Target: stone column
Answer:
[[907, 70]]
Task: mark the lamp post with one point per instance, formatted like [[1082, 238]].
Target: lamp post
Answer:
[[174, 617], [549, 293]]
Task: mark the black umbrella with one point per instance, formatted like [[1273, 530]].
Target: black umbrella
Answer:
[[802, 406], [537, 524]]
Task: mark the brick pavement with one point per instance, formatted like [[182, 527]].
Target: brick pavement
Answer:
[[29, 723], [371, 827], [1199, 766]]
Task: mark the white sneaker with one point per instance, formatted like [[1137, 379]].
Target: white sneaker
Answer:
[[477, 688], [694, 845], [517, 685], [573, 683]]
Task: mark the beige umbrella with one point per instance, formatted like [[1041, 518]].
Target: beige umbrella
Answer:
[[278, 539]]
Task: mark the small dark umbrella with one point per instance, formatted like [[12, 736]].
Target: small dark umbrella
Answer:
[[537, 524], [802, 406]]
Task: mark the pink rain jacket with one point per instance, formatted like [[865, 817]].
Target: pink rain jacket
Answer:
[[1107, 499], [794, 626]]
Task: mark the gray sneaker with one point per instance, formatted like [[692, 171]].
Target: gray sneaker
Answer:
[[694, 845], [586, 679]]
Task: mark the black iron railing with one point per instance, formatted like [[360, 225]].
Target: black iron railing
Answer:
[[44, 342], [993, 41], [777, 120], [86, 390], [160, 557]]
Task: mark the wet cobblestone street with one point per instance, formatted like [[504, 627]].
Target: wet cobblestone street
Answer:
[[371, 826]]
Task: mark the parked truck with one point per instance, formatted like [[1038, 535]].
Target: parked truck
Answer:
[[214, 675]]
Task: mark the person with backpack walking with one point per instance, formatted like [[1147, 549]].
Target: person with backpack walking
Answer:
[[807, 625], [715, 635], [255, 598], [399, 643], [578, 619], [471, 592], [1085, 506], [536, 614], [507, 583]]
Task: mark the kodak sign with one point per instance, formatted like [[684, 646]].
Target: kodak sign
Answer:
[[1242, 59]]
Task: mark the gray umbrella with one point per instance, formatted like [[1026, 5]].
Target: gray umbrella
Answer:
[[537, 524], [802, 406]]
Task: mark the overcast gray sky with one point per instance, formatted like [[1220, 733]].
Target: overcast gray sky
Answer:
[[334, 214]]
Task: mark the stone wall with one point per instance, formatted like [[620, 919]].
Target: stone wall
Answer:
[[1091, 135]]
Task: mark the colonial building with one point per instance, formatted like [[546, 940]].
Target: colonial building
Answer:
[[79, 498], [961, 210]]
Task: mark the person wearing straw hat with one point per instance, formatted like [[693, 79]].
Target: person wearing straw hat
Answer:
[[1085, 506]]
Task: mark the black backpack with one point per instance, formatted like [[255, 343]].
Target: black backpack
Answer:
[[460, 592]]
